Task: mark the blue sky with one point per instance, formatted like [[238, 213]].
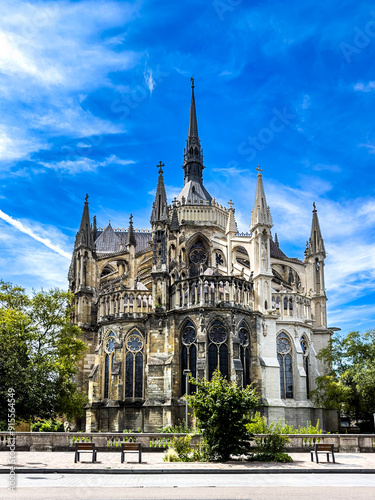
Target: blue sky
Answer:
[[94, 94]]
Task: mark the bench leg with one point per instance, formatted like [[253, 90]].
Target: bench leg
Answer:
[[140, 456], [333, 458], [122, 457], [327, 457], [312, 456], [76, 457], [316, 456]]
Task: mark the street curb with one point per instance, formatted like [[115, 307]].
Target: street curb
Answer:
[[189, 471]]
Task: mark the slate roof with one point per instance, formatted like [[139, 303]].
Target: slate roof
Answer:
[[111, 241], [276, 252]]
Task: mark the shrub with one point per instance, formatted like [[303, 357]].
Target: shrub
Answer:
[[51, 425], [179, 428], [179, 450], [223, 412]]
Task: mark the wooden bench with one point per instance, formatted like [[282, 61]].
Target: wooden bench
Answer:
[[323, 448], [131, 447], [85, 448]]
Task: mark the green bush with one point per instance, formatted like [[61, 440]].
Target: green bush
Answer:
[[270, 457], [271, 448], [258, 424], [223, 410], [181, 450], [51, 425], [179, 428]]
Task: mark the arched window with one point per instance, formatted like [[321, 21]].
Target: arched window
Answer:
[[134, 365], [284, 356], [188, 355], [244, 338], [305, 350], [217, 349], [108, 363]]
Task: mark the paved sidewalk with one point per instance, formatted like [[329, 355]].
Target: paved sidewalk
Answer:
[[110, 462]]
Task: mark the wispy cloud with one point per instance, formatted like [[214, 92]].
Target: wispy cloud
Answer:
[[24, 229], [149, 79], [361, 87]]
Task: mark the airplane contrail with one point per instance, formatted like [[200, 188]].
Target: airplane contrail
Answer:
[[18, 225]]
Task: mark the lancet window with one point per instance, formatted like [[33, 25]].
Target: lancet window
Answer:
[[134, 363], [188, 355], [217, 349], [284, 356]]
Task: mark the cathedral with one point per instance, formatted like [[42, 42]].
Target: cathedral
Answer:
[[190, 295]]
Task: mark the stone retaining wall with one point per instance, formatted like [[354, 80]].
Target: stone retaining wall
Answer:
[[64, 441]]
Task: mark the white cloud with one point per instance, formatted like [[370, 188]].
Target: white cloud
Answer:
[[360, 87], [24, 228], [83, 164], [14, 146], [150, 82]]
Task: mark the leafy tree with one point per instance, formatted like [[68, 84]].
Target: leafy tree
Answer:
[[39, 349], [349, 385], [223, 411]]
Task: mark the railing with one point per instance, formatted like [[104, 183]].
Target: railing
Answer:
[[212, 291], [292, 305], [121, 302], [64, 441]]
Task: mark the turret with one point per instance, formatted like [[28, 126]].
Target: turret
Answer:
[[314, 262], [231, 231], [82, 272], [131, 243], [260, 227], [160, 227]]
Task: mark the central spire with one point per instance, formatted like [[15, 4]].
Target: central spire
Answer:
[[193, 192], [193, 159]]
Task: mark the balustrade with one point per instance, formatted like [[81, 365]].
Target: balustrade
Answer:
[[125, 302], [211, 291], [292, 305]]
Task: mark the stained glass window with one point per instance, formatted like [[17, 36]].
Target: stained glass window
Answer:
[[305, 350], [134, 365], [217, 350], [188, 355], [284, 356], [108, 363], [243, 336]]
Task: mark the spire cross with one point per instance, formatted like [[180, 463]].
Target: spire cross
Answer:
[[230, 203], [258, 169], [160, 165], [131, 219], [86, 198], [192, 82], [314, 206]]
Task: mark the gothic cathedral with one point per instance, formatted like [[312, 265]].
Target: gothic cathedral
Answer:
[[191, 295]]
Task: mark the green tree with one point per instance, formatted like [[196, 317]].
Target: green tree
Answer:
[[349, 384], [223, 412], [39, 350]]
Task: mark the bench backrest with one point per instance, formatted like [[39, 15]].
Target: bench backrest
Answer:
[[130, 446], [324, 447], [85, 446]]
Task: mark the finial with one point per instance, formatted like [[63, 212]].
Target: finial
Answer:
[[314, 206], [258, 169], [86, 198], [109, 222], [230, 203], [160, 165], [192, 81], [131, 219]]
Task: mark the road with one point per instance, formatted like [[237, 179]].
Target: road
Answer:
[[189, 486]]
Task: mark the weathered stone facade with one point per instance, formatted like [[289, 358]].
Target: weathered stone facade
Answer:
[[194, 294]]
